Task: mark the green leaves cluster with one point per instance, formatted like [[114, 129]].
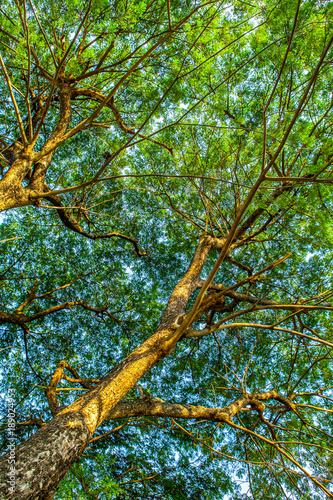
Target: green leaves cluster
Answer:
[[202, 93]]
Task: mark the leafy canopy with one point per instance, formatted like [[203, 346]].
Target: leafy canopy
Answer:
[[175, 109]]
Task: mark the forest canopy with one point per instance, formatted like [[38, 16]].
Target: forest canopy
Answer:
[[166, 244]]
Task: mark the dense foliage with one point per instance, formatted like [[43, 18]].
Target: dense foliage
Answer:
[[128, 131]]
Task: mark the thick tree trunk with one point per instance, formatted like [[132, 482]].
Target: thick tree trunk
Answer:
[[44, 459], [25, 164], [12, 192]]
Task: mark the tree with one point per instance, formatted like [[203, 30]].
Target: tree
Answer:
[[165, 184]]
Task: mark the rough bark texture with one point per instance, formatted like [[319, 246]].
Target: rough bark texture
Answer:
[[44, 459], [27, 165], [186, 285], [156, 407]]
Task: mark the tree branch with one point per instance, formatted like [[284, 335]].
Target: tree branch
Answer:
[[74, 226]]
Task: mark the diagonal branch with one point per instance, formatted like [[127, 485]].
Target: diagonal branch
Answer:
[[18, 116], [57, 376], [93, 94], [74, 226]]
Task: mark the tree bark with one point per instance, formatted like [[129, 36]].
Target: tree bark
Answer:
[[155, 407], [45, 458]]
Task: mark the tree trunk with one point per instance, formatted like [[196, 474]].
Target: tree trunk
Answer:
[[44, 459]]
